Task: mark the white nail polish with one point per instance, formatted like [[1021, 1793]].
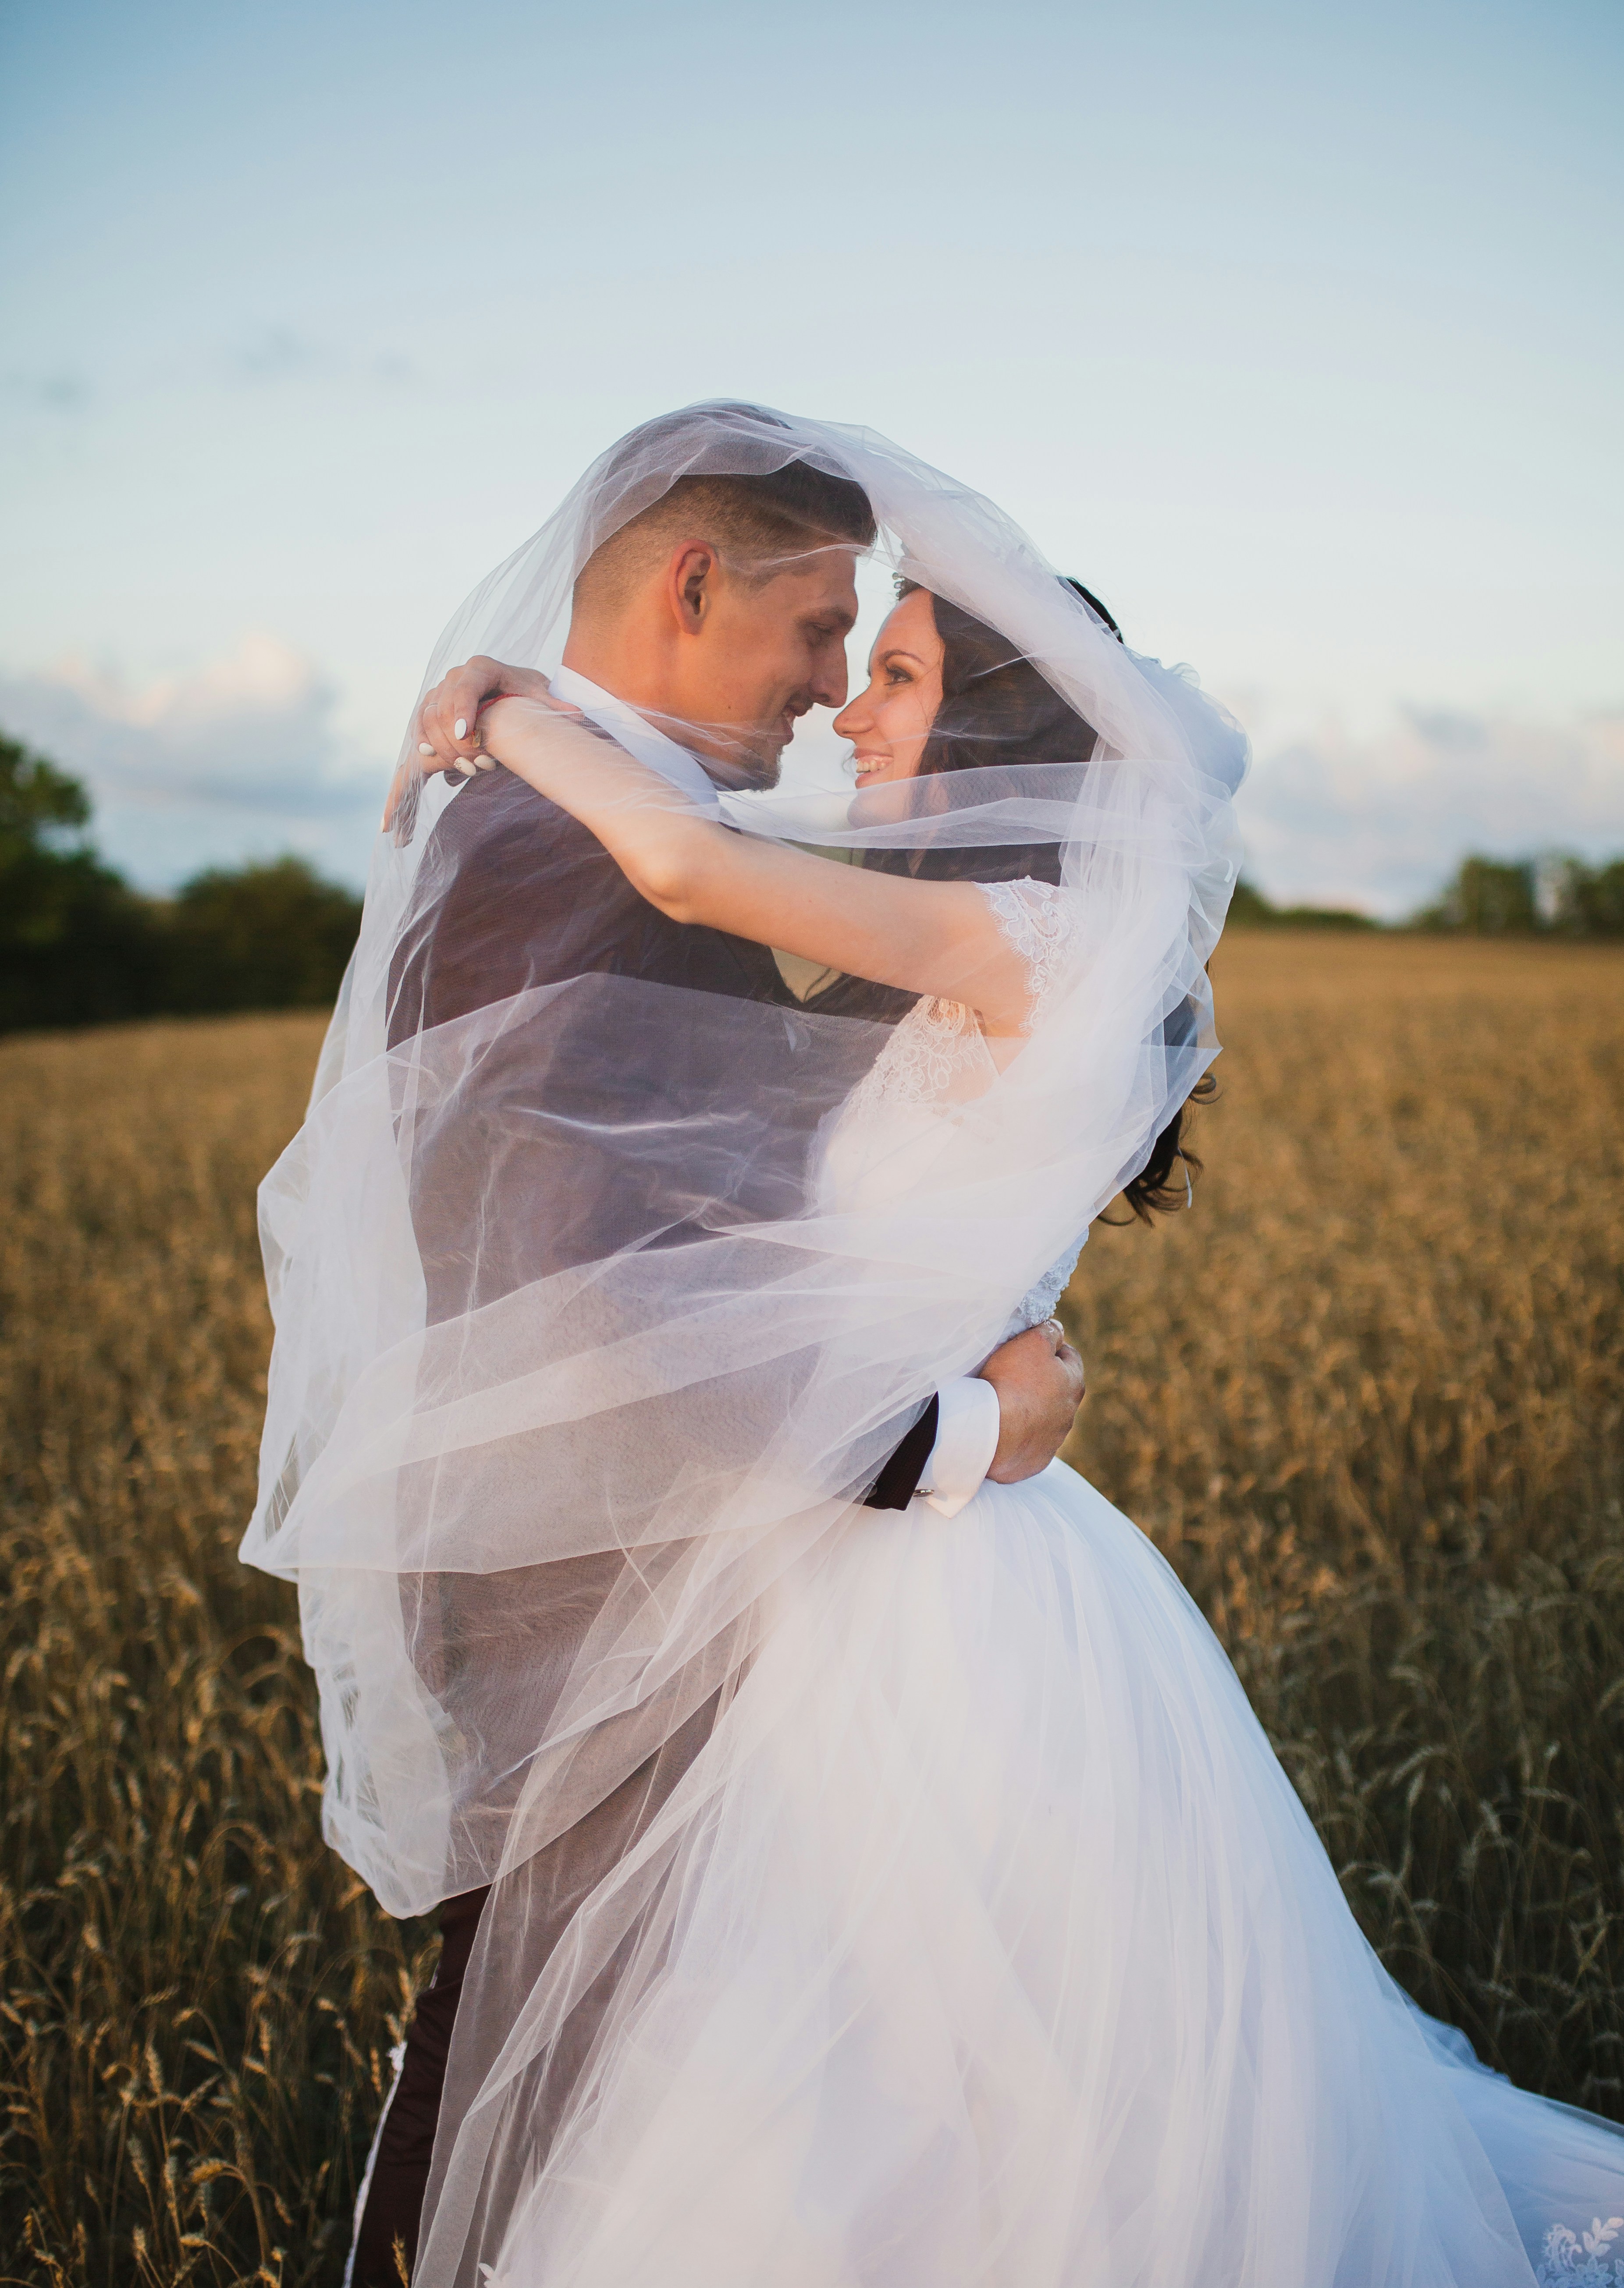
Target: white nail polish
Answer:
[[461, 726], [423, 748]]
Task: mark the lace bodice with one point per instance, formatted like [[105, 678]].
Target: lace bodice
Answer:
[[936, 1059], [939, 1046]]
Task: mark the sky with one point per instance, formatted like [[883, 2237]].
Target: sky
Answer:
[[1293, 330]]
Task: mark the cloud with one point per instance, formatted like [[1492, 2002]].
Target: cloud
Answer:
[[240, 758], [274, 354], [243, 757], [61, 392], [1380, 822]]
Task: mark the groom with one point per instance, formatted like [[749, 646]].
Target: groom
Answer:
[[723, 609]]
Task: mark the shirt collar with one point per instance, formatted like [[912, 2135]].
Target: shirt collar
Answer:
[[637, 735]]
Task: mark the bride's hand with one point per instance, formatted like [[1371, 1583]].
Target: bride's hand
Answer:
[[446, 732], [454, 741]]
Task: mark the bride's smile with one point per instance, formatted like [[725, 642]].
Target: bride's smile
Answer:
[[889, 722]]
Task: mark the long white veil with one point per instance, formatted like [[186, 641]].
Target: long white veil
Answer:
[[576, 1375]]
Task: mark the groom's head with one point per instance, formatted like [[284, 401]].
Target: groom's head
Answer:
[[724, 604]]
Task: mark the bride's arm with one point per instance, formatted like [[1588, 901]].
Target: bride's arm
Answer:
[[937, 938]]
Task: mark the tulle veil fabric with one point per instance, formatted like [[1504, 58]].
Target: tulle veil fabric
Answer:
[[578, 1374]]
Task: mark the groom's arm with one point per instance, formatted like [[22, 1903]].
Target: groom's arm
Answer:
[[1006, 1423]]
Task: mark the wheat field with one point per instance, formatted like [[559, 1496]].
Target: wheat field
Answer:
[[1368, 1397]]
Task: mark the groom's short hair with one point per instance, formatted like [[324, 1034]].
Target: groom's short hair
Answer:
[[758, 522]]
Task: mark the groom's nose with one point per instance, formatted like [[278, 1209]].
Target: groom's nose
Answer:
[[831, 680]]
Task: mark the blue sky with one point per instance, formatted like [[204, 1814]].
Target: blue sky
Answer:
[[1295, 332]]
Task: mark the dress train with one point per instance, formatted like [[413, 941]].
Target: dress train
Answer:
[[1004, 1952]]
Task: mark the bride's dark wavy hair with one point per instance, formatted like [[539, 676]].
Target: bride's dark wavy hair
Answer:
[[997, 708]]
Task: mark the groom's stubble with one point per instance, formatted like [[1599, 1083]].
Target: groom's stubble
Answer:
[[727, 658]]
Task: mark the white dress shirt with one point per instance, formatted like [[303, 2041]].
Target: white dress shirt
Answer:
[[966, 1423]]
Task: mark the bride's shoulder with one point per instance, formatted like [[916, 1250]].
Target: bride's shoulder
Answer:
[[1026, 901]]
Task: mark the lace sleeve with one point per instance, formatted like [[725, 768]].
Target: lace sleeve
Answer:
[[1040, 923], [937, 1054]]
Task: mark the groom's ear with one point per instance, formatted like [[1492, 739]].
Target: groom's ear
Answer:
[[692, 573]]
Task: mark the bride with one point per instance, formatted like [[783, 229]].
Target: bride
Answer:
[[1060, 1959], [985, 1940]]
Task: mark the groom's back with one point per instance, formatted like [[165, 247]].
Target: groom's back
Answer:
[[515, 893], [567, 1034]]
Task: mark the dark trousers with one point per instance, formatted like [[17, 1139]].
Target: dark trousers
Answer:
[[561, 1876], [394, 2207], [549, 1889]]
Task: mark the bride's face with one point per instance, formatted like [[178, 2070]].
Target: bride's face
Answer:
[[889, 723]]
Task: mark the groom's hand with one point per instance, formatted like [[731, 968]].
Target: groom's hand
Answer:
[[1039, 1381], [447, 727]]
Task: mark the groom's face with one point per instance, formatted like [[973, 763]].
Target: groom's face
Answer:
[[760, 652]]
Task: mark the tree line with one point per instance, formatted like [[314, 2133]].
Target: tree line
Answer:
[[1553, 897], [1531, 897], [78, 946]]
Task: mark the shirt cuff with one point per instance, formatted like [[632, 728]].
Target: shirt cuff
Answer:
[[966, 1439]]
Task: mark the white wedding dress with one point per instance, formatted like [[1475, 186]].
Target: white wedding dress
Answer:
[[1007, 1955]]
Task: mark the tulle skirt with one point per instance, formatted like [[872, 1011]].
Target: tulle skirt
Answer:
[[1004, 1953]]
